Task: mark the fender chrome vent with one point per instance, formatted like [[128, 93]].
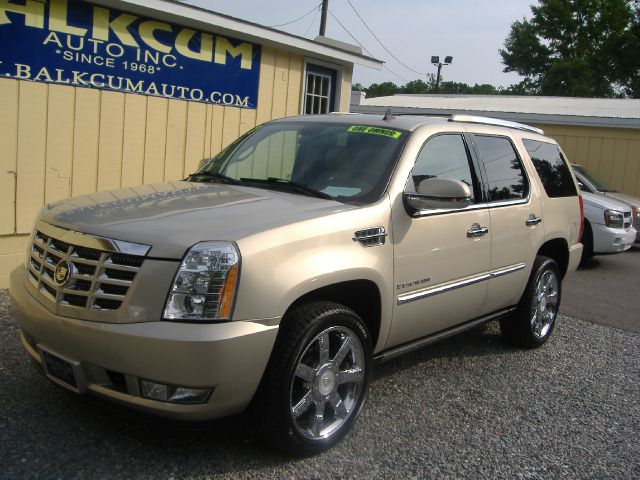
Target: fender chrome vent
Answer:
[[370, 237]]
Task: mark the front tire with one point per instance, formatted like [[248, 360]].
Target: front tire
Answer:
[[531, 324], [317, 379]]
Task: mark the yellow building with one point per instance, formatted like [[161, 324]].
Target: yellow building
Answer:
[[107, 94], [602, 134]]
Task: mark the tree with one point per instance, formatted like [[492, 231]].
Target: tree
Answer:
[[383, 89], [585, 48], [418, 86], [461, 88], [627, 55]]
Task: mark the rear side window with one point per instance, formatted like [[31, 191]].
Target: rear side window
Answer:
[[505, 175], [552, 168]]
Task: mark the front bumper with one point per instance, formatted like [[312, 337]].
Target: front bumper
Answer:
[[228, 357], [612, 240]]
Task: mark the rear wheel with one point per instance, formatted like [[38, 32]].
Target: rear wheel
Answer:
[[317, 379], [535, 317]]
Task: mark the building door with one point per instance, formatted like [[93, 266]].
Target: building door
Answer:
[[320, 90]]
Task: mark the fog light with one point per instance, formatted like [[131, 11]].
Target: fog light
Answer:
[[173, 393]]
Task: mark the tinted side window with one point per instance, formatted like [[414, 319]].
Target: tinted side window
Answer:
[[505, 174], [443, 156], [552, 168]]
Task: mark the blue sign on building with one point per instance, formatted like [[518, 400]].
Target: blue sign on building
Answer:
[[80, 44]]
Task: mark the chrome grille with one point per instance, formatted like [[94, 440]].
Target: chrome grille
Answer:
[[98, 280]]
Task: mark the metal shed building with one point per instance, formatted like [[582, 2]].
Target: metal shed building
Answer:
[[97, 95]]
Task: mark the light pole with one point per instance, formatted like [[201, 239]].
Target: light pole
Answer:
[[436, 61]]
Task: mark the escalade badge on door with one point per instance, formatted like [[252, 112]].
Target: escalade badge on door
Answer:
[[62, 273]]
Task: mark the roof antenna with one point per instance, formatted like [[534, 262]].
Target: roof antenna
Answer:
[[388, 115]]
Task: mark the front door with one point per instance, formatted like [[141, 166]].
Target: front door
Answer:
[[442, 256]]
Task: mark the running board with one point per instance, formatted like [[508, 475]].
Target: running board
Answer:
[[436, 337]]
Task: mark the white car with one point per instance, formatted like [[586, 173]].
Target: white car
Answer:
[[607, 225], [589, 183]]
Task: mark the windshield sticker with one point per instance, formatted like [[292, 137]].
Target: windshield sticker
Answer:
[[385, 132]]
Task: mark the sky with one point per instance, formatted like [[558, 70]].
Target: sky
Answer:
[[472, 31]]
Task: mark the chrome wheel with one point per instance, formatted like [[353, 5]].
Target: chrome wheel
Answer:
[[327, 382], [546, 299]]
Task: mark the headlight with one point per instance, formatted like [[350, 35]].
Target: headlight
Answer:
[[636, 212], [613, 219], [204, 288]]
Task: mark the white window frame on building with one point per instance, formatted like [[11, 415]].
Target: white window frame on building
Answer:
[[315, 97]]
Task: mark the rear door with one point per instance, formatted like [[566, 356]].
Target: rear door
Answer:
[[516, 219]]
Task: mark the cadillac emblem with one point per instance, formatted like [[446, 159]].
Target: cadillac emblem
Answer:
[[62, 273]]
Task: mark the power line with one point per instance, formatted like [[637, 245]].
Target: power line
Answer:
[[382, 44], [363, 47], [313, 20], [314, 9], [349, 33]]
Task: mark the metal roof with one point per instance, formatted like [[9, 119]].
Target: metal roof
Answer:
[[207, 20], [596, 112]]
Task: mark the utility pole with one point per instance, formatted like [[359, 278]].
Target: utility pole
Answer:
[[323, 18]]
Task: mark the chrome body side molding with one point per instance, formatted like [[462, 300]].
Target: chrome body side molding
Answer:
[[429, 292]]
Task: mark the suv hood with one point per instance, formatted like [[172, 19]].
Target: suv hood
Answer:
[[623, 197], [173, 216], [600, 200]]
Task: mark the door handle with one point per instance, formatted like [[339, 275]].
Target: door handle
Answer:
[[477, 231], [532, 220]]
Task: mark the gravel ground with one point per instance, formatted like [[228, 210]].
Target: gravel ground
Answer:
[[468, 407]]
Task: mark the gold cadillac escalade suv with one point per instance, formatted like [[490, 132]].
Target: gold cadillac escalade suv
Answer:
[[276, 274]]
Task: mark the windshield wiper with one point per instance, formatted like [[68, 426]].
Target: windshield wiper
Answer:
[[282, 184], [217, 176]]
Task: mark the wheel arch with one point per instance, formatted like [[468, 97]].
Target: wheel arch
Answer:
[[587, 234], [361, 296], [558, 250]]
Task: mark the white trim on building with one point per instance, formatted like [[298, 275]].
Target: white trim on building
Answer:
[[201, 19]]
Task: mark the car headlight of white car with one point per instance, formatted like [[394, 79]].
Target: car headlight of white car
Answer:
[[613, 218]]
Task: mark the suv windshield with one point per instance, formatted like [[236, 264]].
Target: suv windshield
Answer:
[[344, 162], [597, 184]]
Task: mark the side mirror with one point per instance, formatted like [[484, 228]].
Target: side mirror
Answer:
[[438, 193]]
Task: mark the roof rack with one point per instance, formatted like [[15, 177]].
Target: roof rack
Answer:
[[494, 121]]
